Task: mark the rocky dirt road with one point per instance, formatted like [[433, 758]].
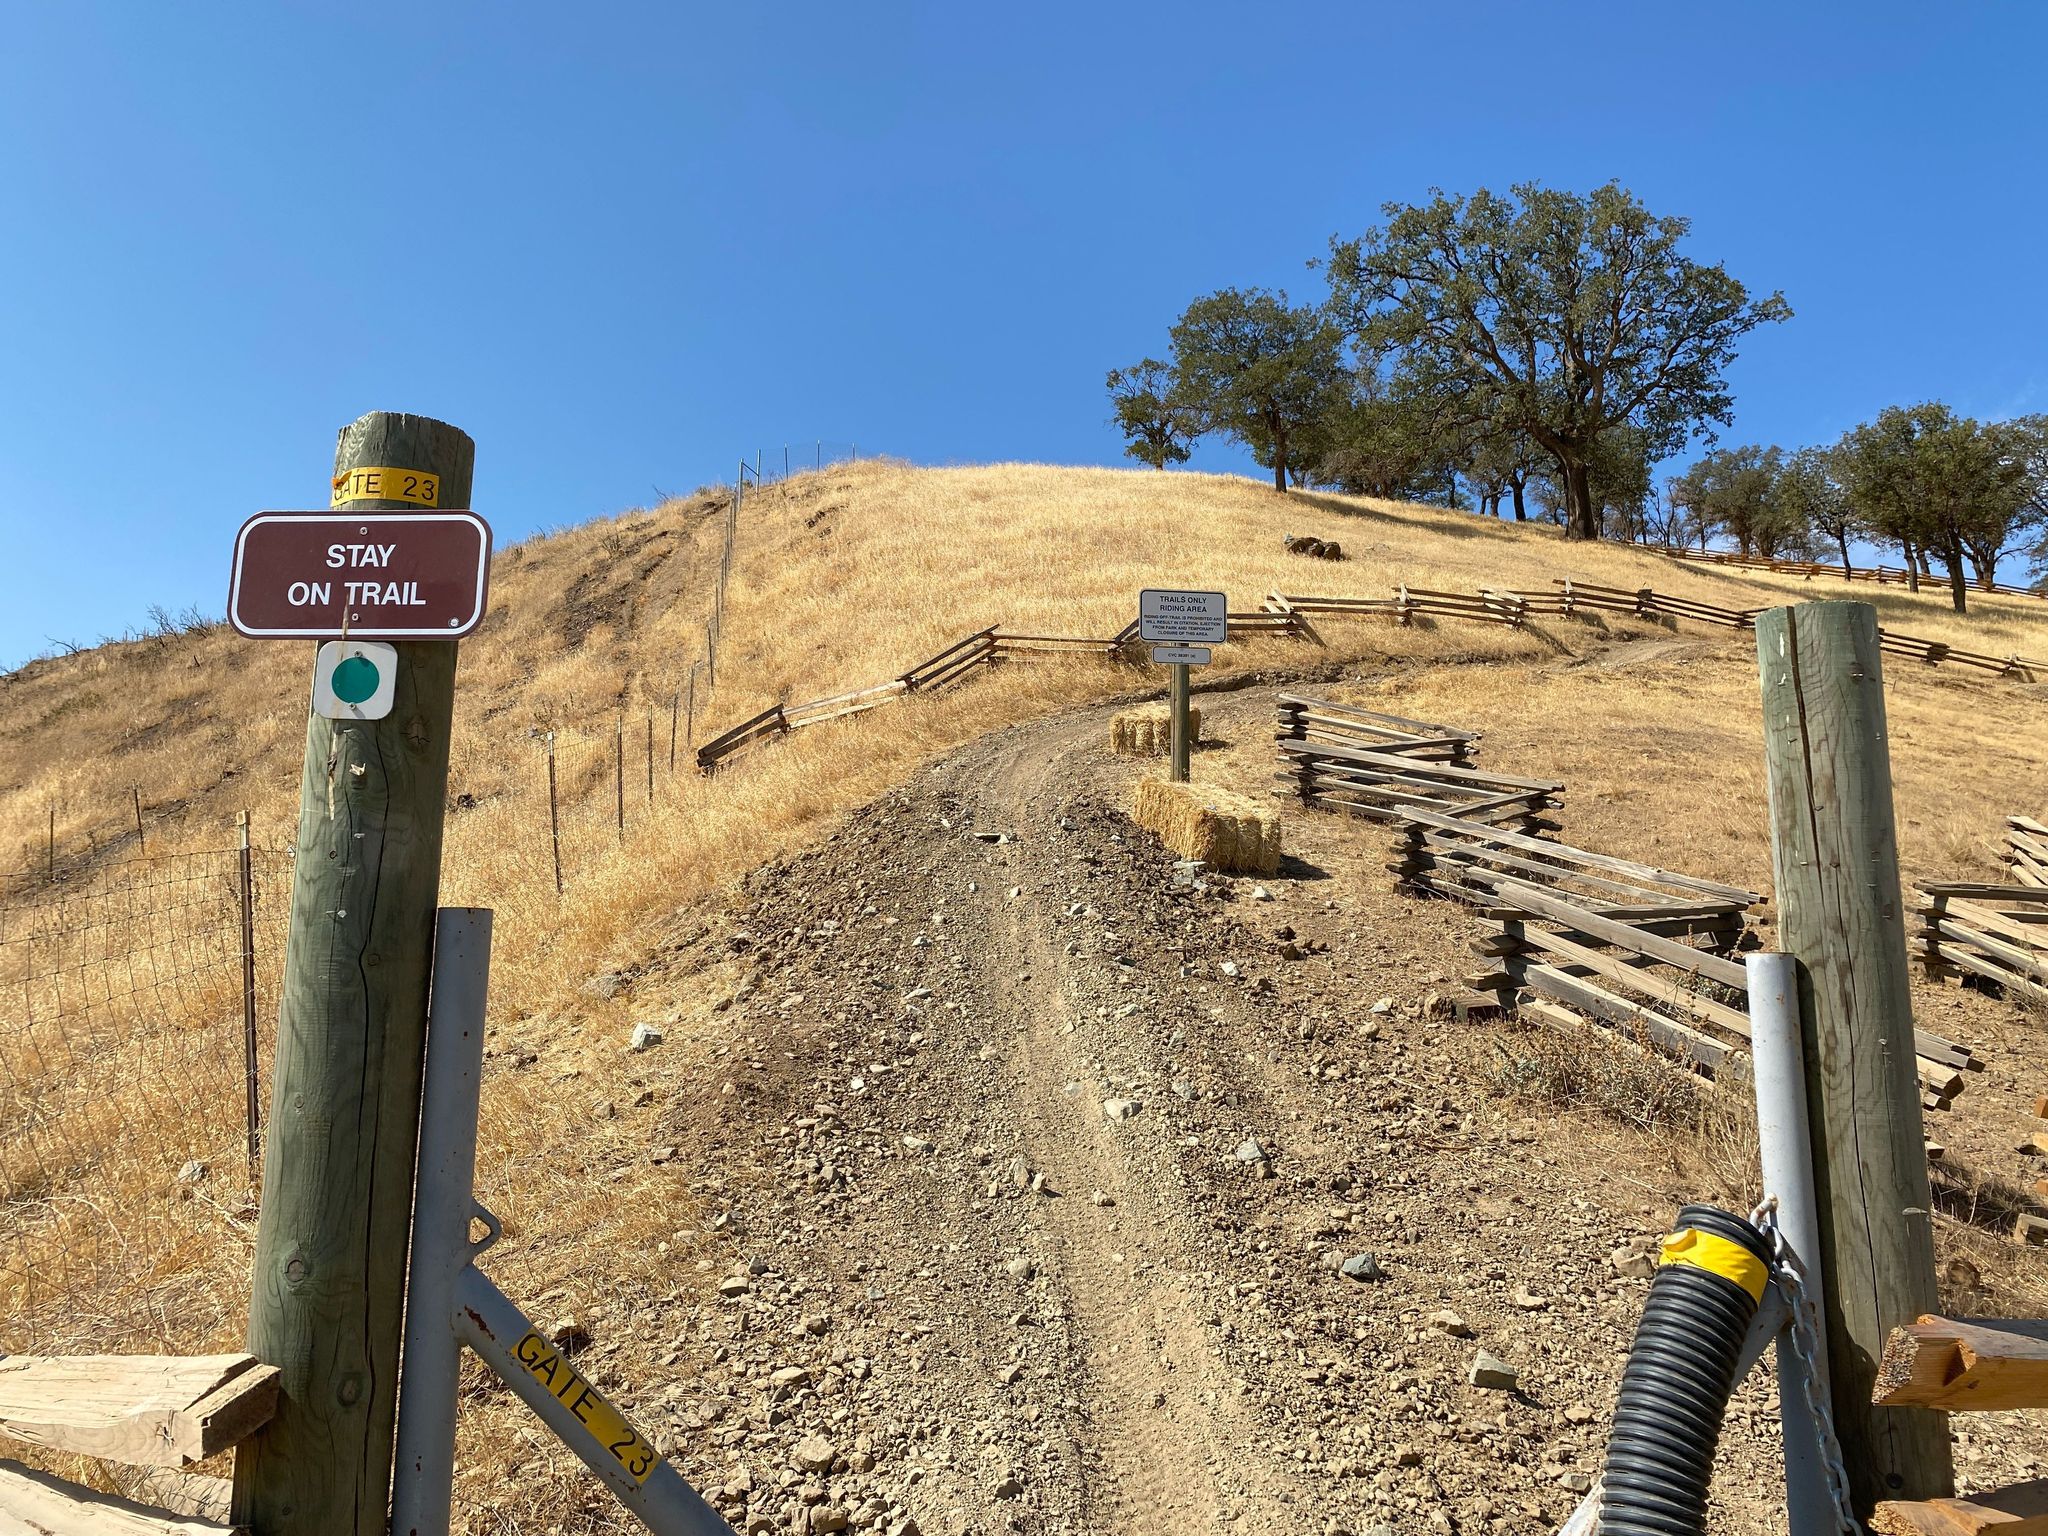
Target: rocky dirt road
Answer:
[[1047, 1188]]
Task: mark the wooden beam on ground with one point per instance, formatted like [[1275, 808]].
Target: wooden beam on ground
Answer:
[[2021, 1510], [146, 1410], [38, 1504], [1984, 1364]]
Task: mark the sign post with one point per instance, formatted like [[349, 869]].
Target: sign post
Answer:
[[1186, 623], [329, 1283]]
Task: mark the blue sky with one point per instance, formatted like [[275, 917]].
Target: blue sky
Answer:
[[624, 244]]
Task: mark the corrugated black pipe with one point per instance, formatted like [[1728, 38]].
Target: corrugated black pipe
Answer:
[[1680, 1372]]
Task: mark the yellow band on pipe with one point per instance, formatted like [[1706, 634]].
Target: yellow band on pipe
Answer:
[[1718, 1256]]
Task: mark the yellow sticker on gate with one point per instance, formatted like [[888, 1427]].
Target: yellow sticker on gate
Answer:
[[416, 487], [621, 1441]]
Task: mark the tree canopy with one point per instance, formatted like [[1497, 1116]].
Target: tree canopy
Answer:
[[1561, 316], [1159, 428], [1258, 369]]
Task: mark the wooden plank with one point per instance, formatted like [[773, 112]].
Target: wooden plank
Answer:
[[1596, 860], [1990, 970], [148, 1410], [1683, 956], [38, 1504], [2021, 1510], [1395, 764], [2018, 895], [1662, 989], [1679, 1039], [2030, 963]]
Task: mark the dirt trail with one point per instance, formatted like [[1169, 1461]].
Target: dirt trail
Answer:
[[1028, 1167]]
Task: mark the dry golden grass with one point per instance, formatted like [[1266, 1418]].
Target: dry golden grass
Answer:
[[1226, 831], [843, 579]]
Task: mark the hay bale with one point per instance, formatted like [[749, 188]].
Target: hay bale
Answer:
[[1198, 821], [1147, 731]]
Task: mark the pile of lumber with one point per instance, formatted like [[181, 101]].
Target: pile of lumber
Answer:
[[1960, 1366], [1359, 762], [1588, 939], [1994, 937], [2026, 851], [1226, 831], [159, 1414]]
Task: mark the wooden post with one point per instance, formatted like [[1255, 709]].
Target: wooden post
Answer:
[[329, 1283], [1835, 850], [1177, 732], [675, 715], [650, 757], [619, 770]]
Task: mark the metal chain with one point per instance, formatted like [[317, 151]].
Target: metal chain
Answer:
[[1790, 1276]]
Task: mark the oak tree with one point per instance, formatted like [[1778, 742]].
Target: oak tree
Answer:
[[1257, 369], [1159, 428], [1559, 315]]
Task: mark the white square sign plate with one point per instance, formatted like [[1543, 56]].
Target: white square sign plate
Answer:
[[1183, 618], [1181, 655], [355, 680]]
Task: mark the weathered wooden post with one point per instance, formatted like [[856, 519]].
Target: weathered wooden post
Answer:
[[1835, 849], [337, 1178]]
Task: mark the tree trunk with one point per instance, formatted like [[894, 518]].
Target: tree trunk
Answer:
[[1521, 512], [1912, 565], [1843, 540], [1280, 466], [1581, 517], [1958, 578]]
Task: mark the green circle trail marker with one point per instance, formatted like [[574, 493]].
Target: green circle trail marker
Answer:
[[355, 680]]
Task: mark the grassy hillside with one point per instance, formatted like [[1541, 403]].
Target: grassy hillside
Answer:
[[844, 578]]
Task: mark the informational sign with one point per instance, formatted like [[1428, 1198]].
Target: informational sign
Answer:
[[374, 576], [1183, 618], [355, 680], [1181, 655], [622, 1442]]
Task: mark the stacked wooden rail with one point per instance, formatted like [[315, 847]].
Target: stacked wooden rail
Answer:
[[1573, 597], [1961, 1366], [1883, 575], [160, 1414], [1292, 616], [1583, 938], [983, 648], [1573, 935], [1358, 762], [2026, 851], [1993, 936]]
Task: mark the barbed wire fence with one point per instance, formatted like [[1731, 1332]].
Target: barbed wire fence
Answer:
[[137, 1010]]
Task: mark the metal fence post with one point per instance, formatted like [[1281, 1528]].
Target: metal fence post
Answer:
[[1787, 1153], [554, 814], [246, 890], [425, 1465]]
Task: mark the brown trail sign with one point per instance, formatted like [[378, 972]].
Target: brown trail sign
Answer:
[[327, 575]]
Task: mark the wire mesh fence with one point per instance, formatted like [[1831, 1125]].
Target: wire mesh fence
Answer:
[[137, 1010]]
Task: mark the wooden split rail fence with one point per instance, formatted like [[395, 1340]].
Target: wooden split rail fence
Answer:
[[983, 648], [1290, 616], [2026, 851], [154, 1413], [1995, 935], [1883, 575], [1573, 936], [1959, 1366], [1338, 757]]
